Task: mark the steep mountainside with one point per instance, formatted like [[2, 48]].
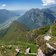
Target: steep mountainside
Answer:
[[19, 35], [30, 30], [36, 18], [17, 32]]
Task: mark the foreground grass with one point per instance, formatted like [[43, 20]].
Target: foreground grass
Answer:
[[6, 51]]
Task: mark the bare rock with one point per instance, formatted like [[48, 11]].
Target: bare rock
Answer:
[[28, 50], [17, 50], [54, 43], [40, 53], [47, 37]]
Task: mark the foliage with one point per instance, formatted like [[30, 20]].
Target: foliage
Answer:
[[53, 29]]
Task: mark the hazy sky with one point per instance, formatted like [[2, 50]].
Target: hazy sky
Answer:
[[24, 4]]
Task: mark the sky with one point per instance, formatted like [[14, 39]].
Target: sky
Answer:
[[25, 4]]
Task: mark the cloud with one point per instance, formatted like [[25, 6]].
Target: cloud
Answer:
[[3, 5], [48, 2]]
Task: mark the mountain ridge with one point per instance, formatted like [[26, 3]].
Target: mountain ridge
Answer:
[[35, 18]]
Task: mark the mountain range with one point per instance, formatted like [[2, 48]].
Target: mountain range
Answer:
[[7, 17], [27, 30], [36, 18], [28, 26], [33, 18]]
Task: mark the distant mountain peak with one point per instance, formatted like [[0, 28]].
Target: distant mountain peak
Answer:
[[35, 18]]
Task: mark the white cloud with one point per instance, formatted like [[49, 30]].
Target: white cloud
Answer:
[[3, 5], [48, 2]]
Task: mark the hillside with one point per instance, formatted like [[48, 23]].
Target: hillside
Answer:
[[15, 35], [19, 35], [14, 31], [22, 36]]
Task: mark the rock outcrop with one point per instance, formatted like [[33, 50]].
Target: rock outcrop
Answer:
[[28, 50], [40, 53]]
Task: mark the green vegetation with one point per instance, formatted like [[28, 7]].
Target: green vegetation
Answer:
[[53, 29], [17, 36], [53, 40], [12, 51], [20, 36]]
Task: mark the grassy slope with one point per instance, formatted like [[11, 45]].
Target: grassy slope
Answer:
[[14, 31], [18, 35], [53, 33]]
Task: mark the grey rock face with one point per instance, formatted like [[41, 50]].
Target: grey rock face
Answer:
[[40, 53]]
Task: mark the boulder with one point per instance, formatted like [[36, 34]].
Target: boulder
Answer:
[[47, 37], [28, 50], [17, 50], [40, 53], [54, 43]]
